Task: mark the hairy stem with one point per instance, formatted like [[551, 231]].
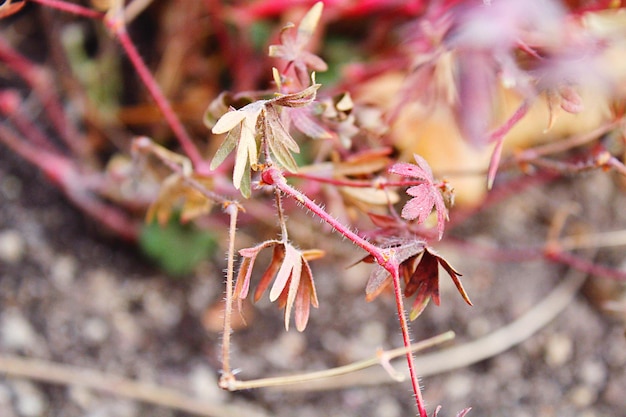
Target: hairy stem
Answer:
[[274, 177], [281, 216], [406, 337], [228, 305]]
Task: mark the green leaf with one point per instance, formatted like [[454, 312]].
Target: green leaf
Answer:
[[176, 248], [226, 147]]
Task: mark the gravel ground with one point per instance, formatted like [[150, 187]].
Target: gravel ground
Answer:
[[73, 295]]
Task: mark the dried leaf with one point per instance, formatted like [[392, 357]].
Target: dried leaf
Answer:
[[11, 7], [293, 287], [279, 140], [377, 282], [309, 22], [241, 125], [175, 192]]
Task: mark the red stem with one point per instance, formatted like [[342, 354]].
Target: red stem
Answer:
[[116, 25], [71, 8], [582, 265], [384, 258], [406, 338], [63, 173], [353, 183], [40, 81]]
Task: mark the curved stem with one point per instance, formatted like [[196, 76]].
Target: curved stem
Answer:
[[115, 23], [274, 177], [380, 359]]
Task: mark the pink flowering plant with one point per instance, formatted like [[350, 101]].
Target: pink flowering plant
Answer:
[[282, 140]]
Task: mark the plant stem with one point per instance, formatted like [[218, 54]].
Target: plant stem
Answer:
[[115, 23], [41, 82], [273, 176], [406, 337], [228, 305], [71, 8], [384, 258], [281, 216], [341, 370]]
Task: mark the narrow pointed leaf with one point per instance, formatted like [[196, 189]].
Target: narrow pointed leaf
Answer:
[[226, 147], [378, 281], [294, 283], [277, 257], [303, 306], [309, 22], [291, 258]]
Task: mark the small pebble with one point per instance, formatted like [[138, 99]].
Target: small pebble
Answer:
[[29, 400], [12, 246], [388, 407], [95, 330], [593, 373], [286, 349], [81, 396], [582, 396], [63, 272], [16, 332], [459, 386], [558, 350], [11, 187], [203, 381]]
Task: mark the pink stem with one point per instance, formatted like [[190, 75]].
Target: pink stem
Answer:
[[406, 338], [71, 8], [40, 81], [353, 183], [273, 176], [116, 26], [497, 136], [582, 265], [62, 172], [10, 104]]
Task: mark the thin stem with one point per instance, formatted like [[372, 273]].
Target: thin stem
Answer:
[[342, 182], [10, 103], [115, 23], [565, 144], [62, 172], [67, 375], [341, 370], [274, 177], [228, 305], [575, 261], [497, 136], [281, 215], [71, 8], [40, 81], [469, 353], [406, 337]]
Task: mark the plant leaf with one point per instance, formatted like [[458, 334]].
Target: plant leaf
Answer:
[[226, 147], [228, 121]]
